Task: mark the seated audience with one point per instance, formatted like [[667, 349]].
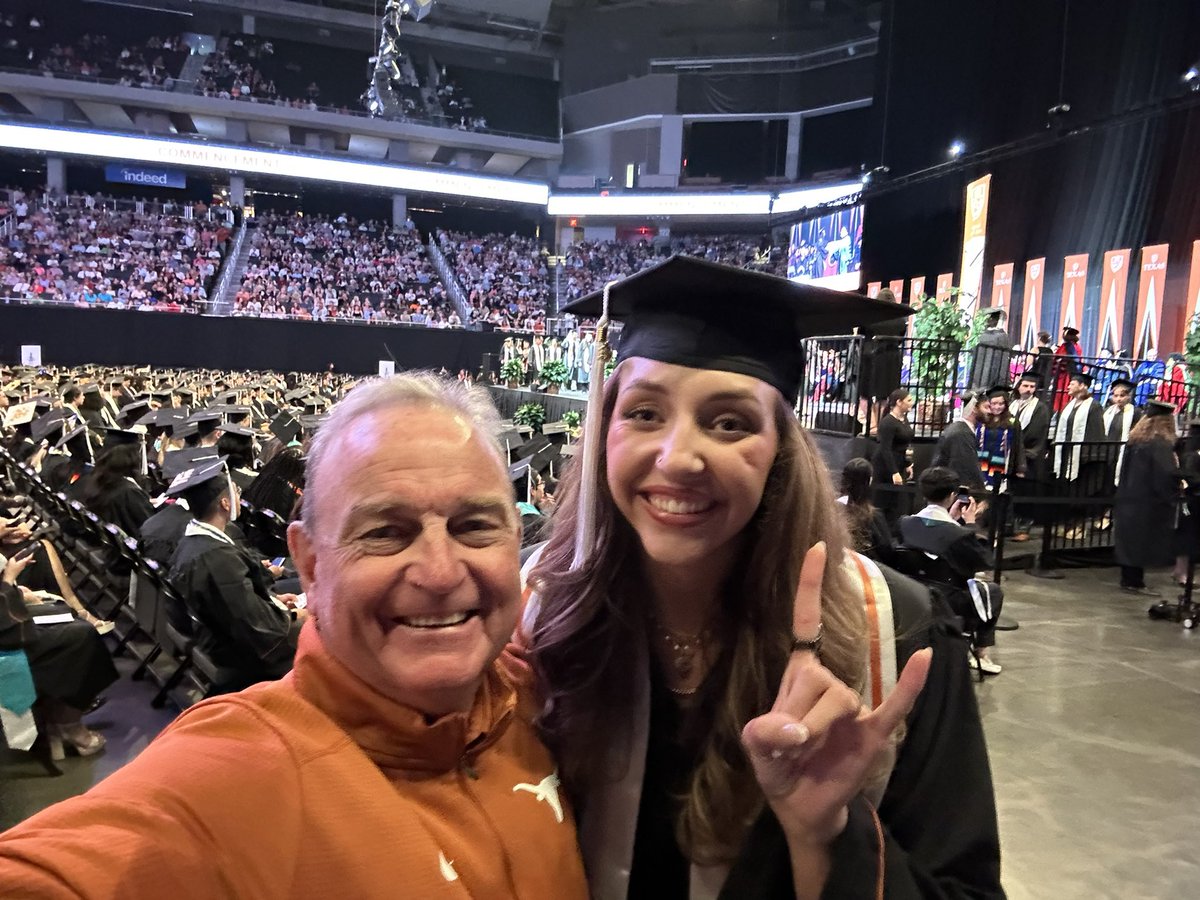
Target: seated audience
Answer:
[[868, 528], [112, 492]]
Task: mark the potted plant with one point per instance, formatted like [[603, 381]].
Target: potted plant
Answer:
[[511, 372], [531, 414], [553, 375], [574, 420], [940, 328]]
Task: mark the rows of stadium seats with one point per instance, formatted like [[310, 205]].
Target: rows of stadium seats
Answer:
[[63, 39], [94, 251], [316, 267], [505, 277]]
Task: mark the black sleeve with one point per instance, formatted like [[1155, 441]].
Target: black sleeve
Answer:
[[252, 621], [885, 457]]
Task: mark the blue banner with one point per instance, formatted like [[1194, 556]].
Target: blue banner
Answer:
[[144, 177]]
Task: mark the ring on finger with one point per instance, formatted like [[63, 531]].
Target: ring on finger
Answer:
[[813, 645]]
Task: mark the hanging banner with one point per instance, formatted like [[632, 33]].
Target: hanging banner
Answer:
[[1070, 312], [1002, 278], [1031, 317], [916, 288], [1193, 294], [944, 283], [873, 288], [1149, 304], [974, 238], [897, 287], [1109, 334]]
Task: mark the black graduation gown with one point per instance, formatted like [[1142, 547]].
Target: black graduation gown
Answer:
[[228, 592], [1146, 504], [956, 449], [938, 812], [1035, 439], [68, 662], [161, 533], [125, 506]]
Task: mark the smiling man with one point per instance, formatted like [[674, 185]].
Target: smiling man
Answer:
[[396, 759]]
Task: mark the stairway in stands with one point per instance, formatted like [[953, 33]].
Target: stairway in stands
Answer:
[[230, 277], [454, 287], [201, 48]]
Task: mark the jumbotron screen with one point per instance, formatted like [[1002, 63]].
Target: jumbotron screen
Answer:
[[828, 250]]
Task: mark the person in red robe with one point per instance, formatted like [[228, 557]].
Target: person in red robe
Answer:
[[1066, 364]]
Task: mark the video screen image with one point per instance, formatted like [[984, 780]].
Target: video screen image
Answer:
[[828, 250]]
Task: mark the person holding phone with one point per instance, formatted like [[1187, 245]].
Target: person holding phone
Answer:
[[945, 529]]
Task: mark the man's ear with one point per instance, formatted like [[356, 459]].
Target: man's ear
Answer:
[[303, 555]]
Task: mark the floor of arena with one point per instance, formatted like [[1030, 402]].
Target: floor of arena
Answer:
[[1091, 727]]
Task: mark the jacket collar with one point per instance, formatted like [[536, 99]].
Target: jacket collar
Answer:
[[393, 735]]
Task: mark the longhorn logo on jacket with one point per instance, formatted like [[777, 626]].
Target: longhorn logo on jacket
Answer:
[[546, 789]]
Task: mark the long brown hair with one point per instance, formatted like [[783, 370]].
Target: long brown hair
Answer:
[[591, 628], [1153, 428]]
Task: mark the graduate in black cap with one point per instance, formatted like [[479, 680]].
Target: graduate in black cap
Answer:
[[1080, 428], [245, 628], [1148, 499], [696, 614], [112, 490], [1066, 364], [1033, 415]]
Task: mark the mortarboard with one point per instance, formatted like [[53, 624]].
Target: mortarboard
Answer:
[[1122, 382], [200, 483], [284, 427], [45, 426], [22, 414], [1030, 376], [998, 390], [130, 413], [1083, 378], [115, 436], [78, 442], [1158, 408], [1074, 332], [206, 422], [91, 388], [695, 313], [178, 461]]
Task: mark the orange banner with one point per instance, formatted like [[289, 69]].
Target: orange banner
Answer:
[[1031, 316], [1193, 294], [1149, 304], [1070, 312], [897, 287], [944, 283], [917, 288], [1002, 278], [1112, 301], [974, 238], [873, 288]]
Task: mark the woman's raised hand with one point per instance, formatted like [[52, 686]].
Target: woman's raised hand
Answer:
[[814, 751]]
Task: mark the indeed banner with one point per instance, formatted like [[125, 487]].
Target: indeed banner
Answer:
[[1073, 289], [1112, 300], [144, 177], [970, 278]]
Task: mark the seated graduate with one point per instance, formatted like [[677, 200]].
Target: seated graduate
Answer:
[[868, 528], [944, 530], [398, 759], [111, 490], [245, 628], [66, 663]]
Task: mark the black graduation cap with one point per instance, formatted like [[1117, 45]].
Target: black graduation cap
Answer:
[[232, 413], [115, 436], [1072, 332], [312, 423], [284, 427], [1122, 382], [297, 394], [200, 483], [78, 443], [520, 474], [21, 414], [130, 413], [1158, 408], [1083, 378], [178, 461], [161, 396], [206, 422], [92, 388], [45, 426], [183, 429], [704, 315], [1030, 376], [998, 390]]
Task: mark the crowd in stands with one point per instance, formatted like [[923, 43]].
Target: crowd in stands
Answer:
[[87, 251], [37, 42], [314, 267], [458, 107], [506, 278]]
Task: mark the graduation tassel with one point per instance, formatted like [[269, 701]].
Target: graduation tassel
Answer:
[[589, 482]]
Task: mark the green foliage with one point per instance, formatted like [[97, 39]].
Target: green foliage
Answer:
[[1191, 345], [531, 414], [573, 418], [948, 324], [512, 370], [609, 366], [554, 372]]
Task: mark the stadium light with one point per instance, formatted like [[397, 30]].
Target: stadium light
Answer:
[[956, 149], [202, 155]]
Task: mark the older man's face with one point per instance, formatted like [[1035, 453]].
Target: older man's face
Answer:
[[413, 575]]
